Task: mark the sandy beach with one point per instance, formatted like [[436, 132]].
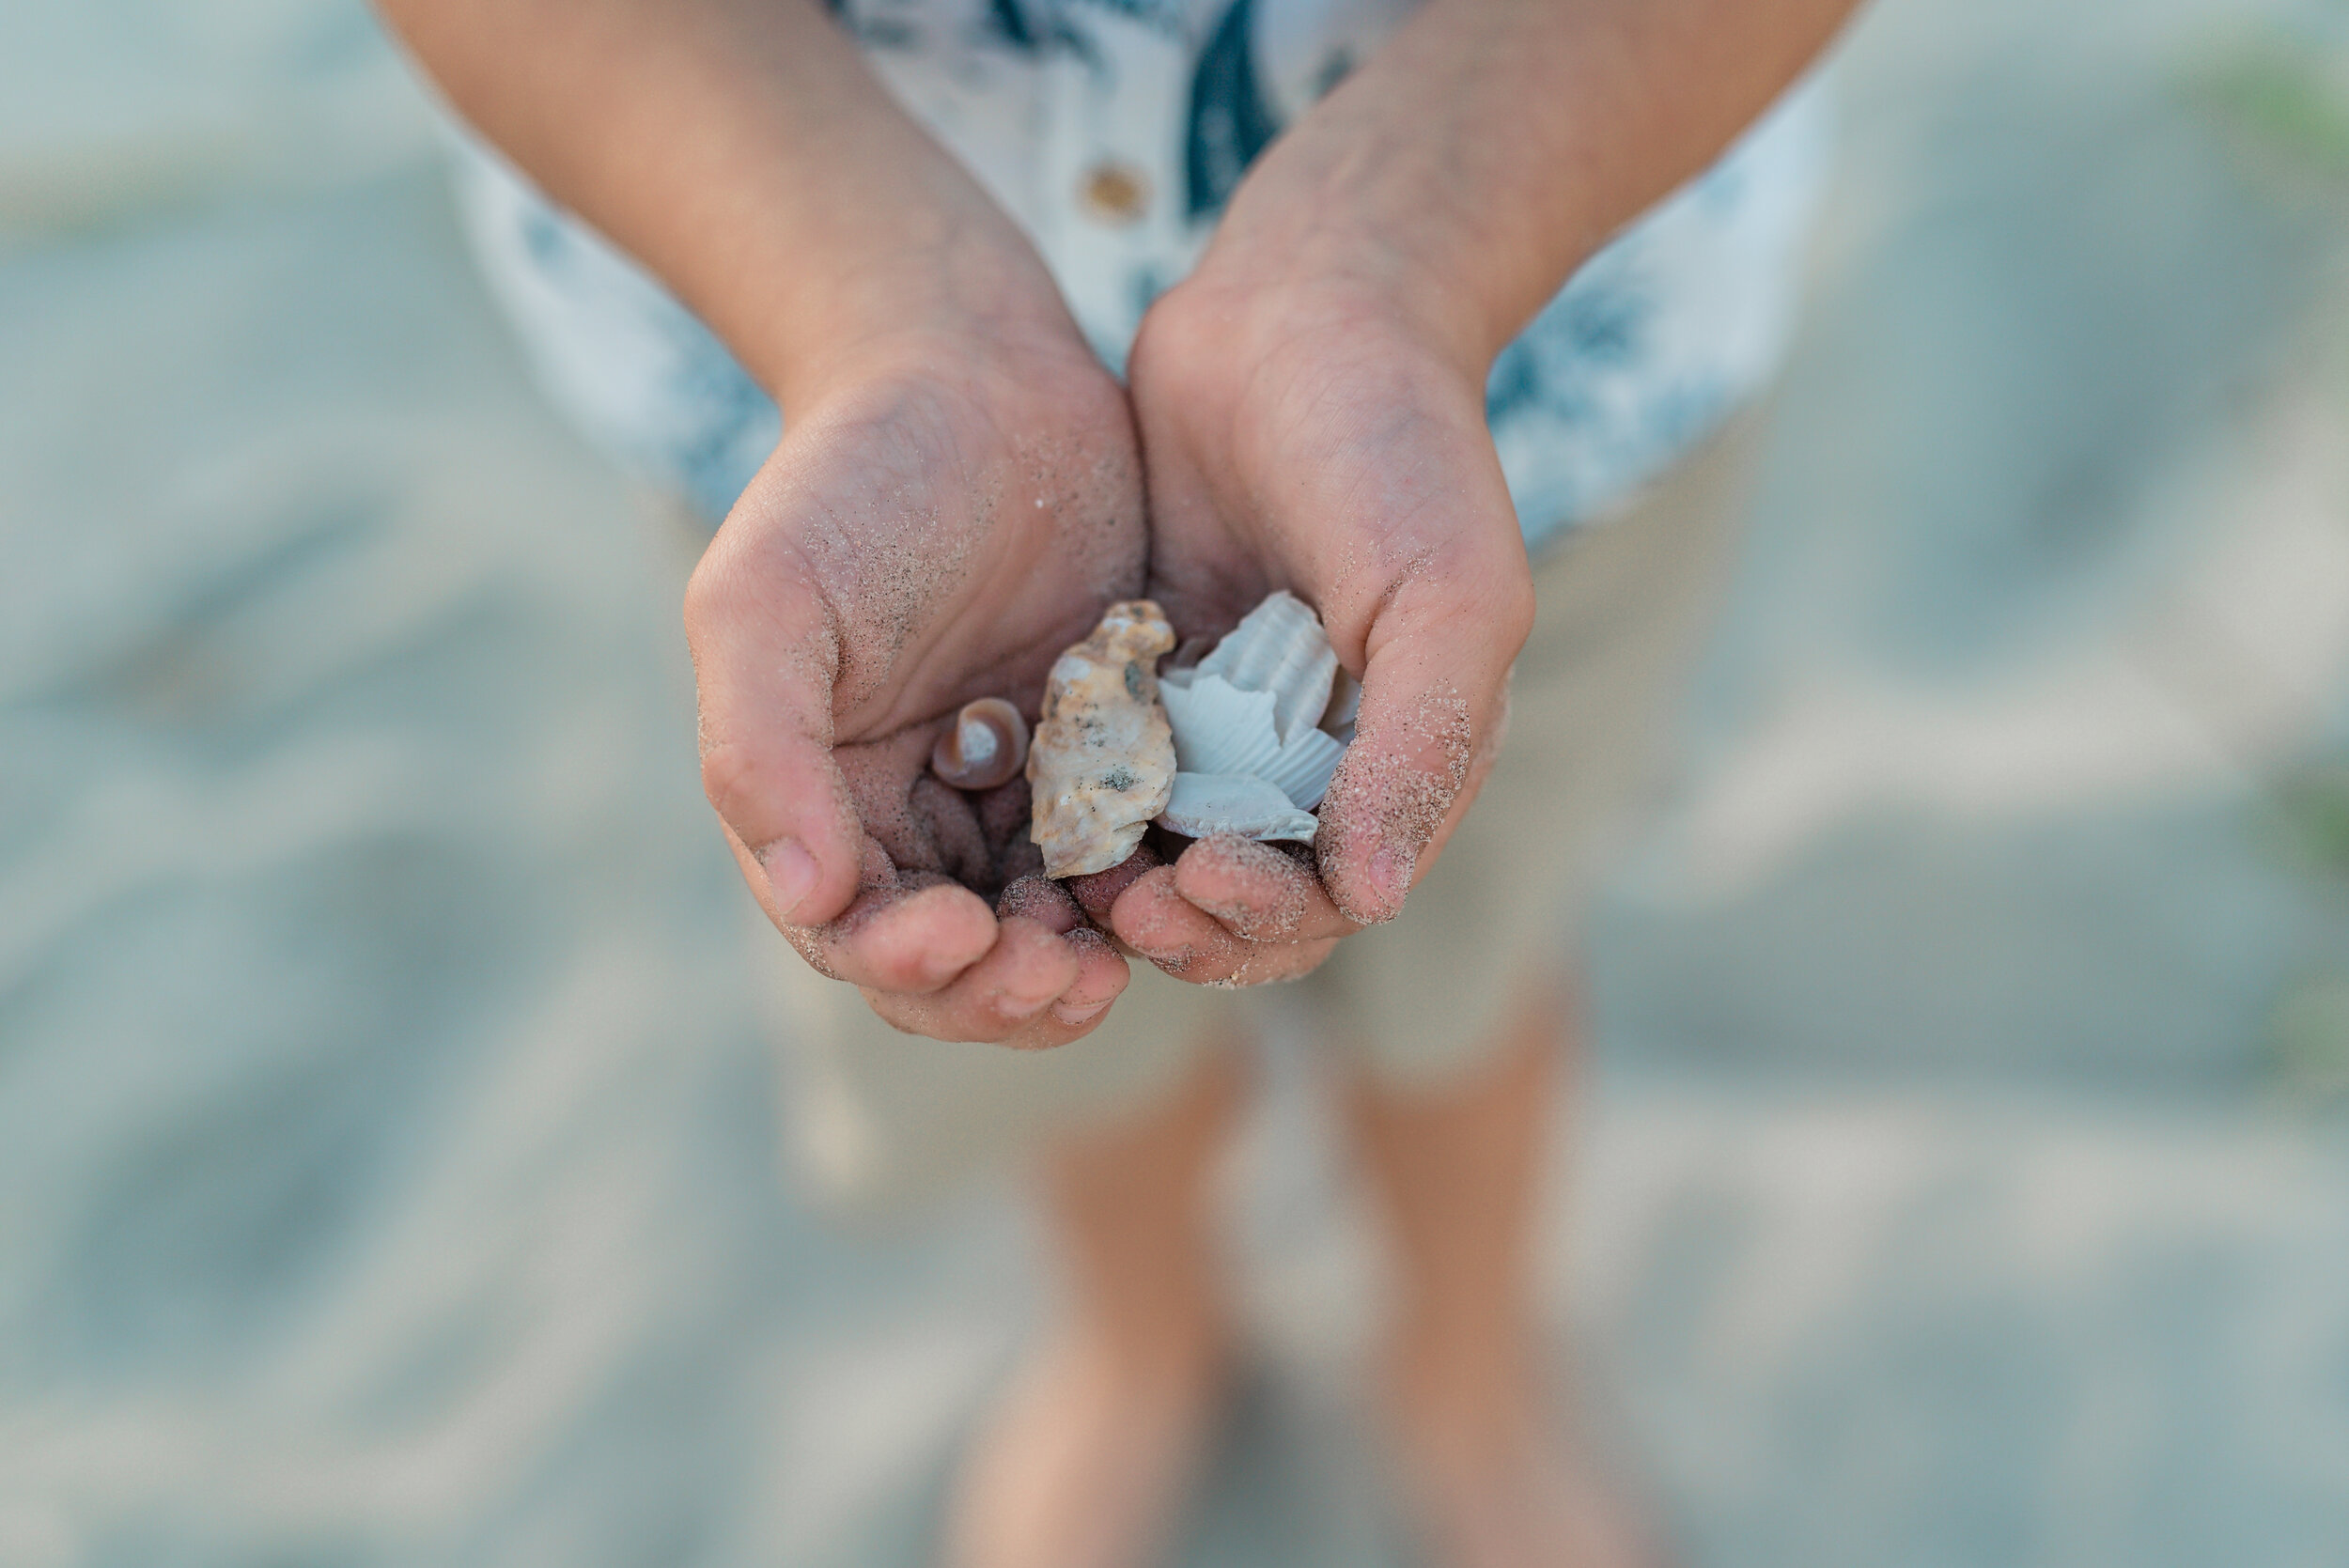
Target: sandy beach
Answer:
[[389, 1153]]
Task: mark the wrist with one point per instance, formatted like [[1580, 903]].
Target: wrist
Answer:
[[880, 296], [1274, 307], [1417, 180], [1336, 243]]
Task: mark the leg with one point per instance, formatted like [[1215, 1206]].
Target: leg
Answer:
[[1496, 1473], [1084, 1463]]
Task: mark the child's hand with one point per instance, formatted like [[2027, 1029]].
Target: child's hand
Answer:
[[1319, 440], [955, 498], [942, 518], [1311, 402]]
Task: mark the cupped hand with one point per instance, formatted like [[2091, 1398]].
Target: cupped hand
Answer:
[[1315, 438], [940, 520]]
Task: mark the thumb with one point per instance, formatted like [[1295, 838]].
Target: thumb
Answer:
[[766, 663], [1435, 700]]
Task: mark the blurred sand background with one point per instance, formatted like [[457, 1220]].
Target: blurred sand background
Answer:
[[386, 1141]]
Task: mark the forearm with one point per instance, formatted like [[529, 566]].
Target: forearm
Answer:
[[1492, 145], [741, 150]]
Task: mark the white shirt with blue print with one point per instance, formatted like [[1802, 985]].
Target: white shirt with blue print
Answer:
[[1114, 130]]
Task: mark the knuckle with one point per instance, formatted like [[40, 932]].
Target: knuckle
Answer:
[[813, 943], [910, 1021], [709, 597], [734, 780], [1180, 354], [1468, 582], [1513, 607]]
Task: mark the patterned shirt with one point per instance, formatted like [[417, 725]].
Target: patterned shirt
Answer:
[[1114, 131]]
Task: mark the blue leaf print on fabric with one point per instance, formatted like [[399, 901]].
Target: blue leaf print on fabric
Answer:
[[1165, 17], [1230, 123], [1009, 25], [1334, 70], [545, 237], [1515, 383], [1604, 324], [1671, 325], [1144, 285], [717, 453]]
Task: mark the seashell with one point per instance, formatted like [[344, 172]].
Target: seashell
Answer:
[[1278, 648], [1220, 728], [1102, 762], [1249, 710], [1204, 804], [988, 746]]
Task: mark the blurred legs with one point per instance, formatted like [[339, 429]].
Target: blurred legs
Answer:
[[1086, 1460], [1083, 1463], [1496, 1474]]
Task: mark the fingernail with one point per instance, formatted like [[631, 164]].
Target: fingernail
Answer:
[[790, 874], [1022, 1007], [1084, 1014], [1390, 876]]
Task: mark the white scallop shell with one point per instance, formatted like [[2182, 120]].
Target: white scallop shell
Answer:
[[1281, 648], [1249, 713], [1204, 804], [1220, 728]]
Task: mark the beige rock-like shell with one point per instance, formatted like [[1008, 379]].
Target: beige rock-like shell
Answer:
[[1102, 762]]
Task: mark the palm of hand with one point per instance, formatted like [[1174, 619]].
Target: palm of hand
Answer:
[[929, 533]]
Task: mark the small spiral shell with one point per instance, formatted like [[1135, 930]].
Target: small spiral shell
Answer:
[[986, 745]]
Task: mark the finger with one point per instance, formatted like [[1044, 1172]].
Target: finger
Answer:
[[1102, 977], [1042, 900], [912, 935], [1435, 698], [1154, 918], [1021, 975], [1101, 969], [1097, 893], [1258, 892], [1009, 996], [1157, 922], [1004, 816], [766, 657]]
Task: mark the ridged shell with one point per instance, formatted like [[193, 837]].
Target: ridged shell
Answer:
[[1204, 804], [1278, 648], [1248, 713], [1220, 728], [1306, 765]]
